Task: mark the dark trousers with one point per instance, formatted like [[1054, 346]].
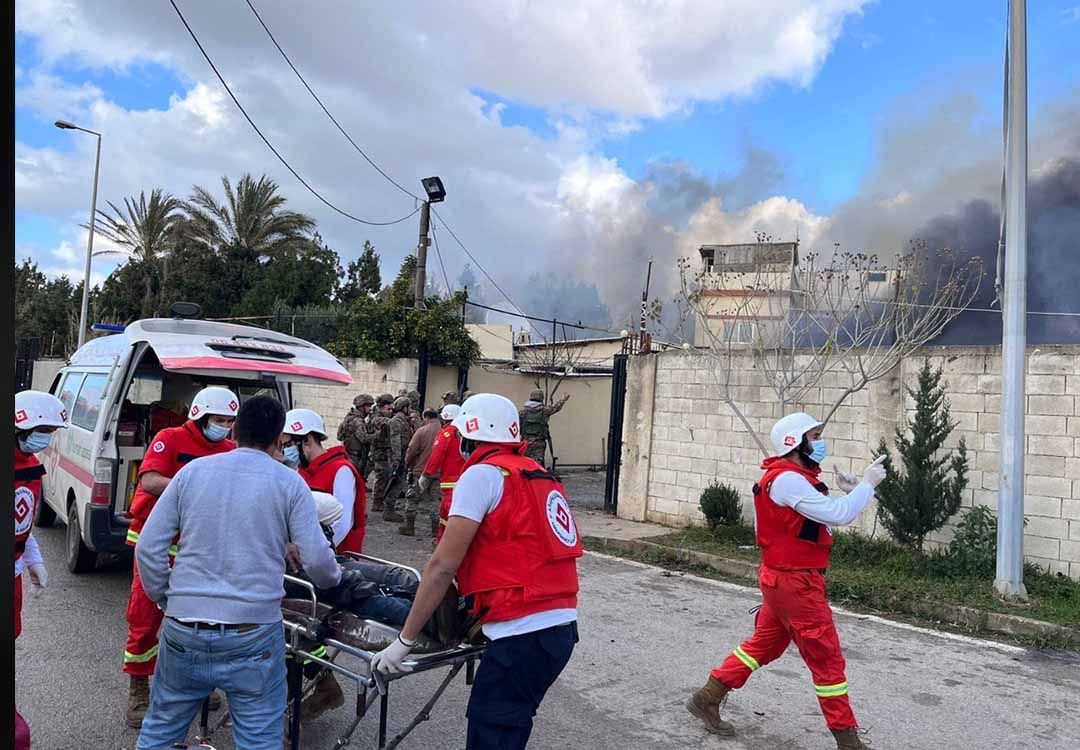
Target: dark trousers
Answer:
[[513, 678]]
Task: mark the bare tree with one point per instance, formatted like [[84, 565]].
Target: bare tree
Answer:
[[803, 318], [550, 365]]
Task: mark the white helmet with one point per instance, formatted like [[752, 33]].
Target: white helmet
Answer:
[[328, 508], [488, 418], [303, 422], [38, 409], [214, 400], [449, 412], [787, 434]]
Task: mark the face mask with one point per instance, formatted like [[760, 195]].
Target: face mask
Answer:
[[292, 456], [817, 451], [36, 442], [215, 433]]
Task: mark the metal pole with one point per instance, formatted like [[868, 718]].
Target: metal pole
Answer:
[[84, 312], [1009, 582], [421, 254]]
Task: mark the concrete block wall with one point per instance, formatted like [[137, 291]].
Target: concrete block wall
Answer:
[[692, 438]]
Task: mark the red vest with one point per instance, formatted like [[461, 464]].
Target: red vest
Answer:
[[447, 463], [28, 473], [788, 539], [168, 452], [523, 557], [319, 475]]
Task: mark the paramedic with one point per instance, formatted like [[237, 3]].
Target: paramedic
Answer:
[[206, 432], [794, 518], [328, 470], [513, 545], [222, 599], [37, 416]]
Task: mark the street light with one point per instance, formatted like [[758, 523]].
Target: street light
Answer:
[[65, 125]]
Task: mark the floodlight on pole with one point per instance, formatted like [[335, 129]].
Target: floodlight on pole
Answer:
[[433, 186], [85, 310]]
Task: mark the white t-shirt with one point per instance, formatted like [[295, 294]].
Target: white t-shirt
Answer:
[[478, 492], [795, 491], [345, 492]]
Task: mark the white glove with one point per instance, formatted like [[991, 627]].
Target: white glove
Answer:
[[38, 576], [391, 659], [846, 482], [423, 483], [875, 473]]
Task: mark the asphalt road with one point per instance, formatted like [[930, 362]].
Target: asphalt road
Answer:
[[648, 638]]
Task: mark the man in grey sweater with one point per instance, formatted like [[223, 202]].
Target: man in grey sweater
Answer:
[[234, 513]]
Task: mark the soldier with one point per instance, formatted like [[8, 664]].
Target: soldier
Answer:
[[416, 458], [399, 433], [380, 447], [356, 433], [415, 418], [450, 397], [466, 395], [534, 418]]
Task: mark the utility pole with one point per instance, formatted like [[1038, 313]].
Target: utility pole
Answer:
[[644, 305], [1009, 581], [421, 254]]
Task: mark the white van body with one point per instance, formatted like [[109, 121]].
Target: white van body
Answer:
[[115, 386]]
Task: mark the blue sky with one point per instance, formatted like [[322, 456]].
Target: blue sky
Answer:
[[892, 64]]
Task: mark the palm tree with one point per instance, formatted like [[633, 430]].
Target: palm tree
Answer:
[[252, 218], [145, 232]]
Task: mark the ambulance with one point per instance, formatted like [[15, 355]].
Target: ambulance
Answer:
[[120, 390]]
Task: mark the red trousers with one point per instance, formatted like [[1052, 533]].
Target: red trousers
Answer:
[[144, 620], [795, 609], [18, 605], [22, 731]]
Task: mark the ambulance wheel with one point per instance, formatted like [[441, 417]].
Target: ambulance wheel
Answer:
[[80, 558]]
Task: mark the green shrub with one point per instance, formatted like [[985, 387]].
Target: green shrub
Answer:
[[721, 505]]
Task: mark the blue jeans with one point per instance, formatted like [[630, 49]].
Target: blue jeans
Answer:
[[248, 667], [391, 610]]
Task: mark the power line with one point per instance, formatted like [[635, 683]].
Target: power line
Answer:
[[269, 145], [578, 326], [438, 254], [315, 96]]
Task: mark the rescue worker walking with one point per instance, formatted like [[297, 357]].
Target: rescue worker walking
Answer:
[[379, 455], [210, 420], [445, 466], [37, 416], [356, 433], [535, 430], [513, 545], [416, 457], [794, 518], [399, 433], [328, 470]]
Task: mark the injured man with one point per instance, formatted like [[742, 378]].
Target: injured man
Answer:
[[366, 609]]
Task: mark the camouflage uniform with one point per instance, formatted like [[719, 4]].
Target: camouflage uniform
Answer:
[[356, 433], [534, 425], [399, 433], [451, 397], [380, 451]]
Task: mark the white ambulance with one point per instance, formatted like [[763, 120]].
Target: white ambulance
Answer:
[[120, 390]]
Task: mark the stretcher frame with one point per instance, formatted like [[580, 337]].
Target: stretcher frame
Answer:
[[370, 686]]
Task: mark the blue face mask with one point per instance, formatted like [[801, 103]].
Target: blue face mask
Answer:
[[36, 442], [817, 451], [215, 433], [292, 456]]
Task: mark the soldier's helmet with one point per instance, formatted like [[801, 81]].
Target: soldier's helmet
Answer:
[[401, 403], [364, 399], [403, 392], [385, 398], [450, 397], [536, 395], [414, 397], [466, 396]]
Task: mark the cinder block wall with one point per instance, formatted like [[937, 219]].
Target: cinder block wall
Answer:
[[695, 438]]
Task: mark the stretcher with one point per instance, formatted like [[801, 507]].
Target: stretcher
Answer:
[[350, 644]]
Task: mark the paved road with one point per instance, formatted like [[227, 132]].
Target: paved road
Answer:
[[648, 638]]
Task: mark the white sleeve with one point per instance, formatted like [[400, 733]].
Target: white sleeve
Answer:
[[794, 491], [477, 492], [31, 556], [345, 492]]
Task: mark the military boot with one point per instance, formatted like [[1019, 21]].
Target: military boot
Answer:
[[326, 695], [409, 527], [392, 515], [434, 528], [705, 704], [849, 739], [214, 700], [376, 505], [138, 701]]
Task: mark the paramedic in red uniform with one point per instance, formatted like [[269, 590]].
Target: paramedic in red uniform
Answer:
[[330, 471], [445, 464], [37, 416], [206, 432], [794, 516], [513, 545]]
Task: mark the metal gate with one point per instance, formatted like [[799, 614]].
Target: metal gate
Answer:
[[26, 351], [615, 430]]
